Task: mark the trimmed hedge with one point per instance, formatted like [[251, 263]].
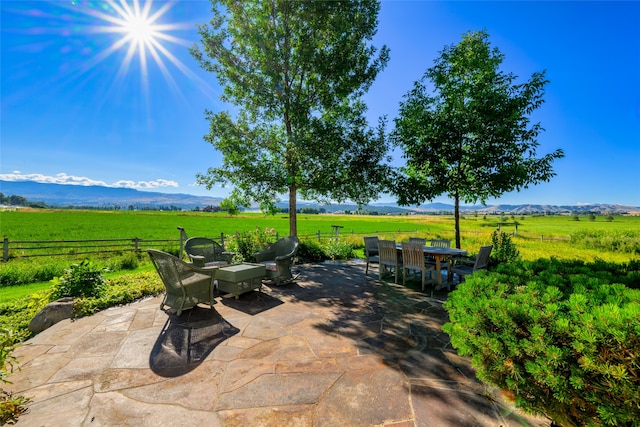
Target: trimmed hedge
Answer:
[[562, 337]]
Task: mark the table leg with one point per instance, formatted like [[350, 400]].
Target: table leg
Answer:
[[439, 276]]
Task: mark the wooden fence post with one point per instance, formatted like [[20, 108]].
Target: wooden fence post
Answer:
[[222, 239], [5, 249], [136, 245], [318, 235]]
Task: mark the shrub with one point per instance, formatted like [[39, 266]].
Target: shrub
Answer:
[[311, 251], [563, 338], [123, 290], [247, 243], [80, 280], [10, 406], [339, 250], [504, 250]]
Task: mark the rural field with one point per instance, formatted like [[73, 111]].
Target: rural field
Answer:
[[615, 239]]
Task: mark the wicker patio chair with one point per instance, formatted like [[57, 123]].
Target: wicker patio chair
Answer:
[[186, 285], [204, 251], [278, 259]]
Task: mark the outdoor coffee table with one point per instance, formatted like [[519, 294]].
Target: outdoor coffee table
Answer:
[[240, 278]]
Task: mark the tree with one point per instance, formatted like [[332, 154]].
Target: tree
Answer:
[[296, 72], [234, 203], [470, 137]]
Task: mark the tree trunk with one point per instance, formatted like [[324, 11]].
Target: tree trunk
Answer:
[[456, 213], [293, 220]]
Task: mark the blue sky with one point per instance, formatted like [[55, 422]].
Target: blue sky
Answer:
[[79, 108]]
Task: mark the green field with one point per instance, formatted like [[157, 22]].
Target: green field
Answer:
[[616, 240]]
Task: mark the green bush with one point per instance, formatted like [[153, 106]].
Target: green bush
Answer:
[[247, 243], [339, 250], [79, 280], [123, 290], [504, 250], [563, 338], [10, 406], [311, 251]]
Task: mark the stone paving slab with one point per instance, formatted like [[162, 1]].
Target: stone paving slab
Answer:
[[336, 348]]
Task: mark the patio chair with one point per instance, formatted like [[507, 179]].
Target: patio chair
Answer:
[[462, 267], [204, 251], [413, 260], [389, 259], [278, 259], [420, 240], [439, 243], [186, 285], [371, 251]]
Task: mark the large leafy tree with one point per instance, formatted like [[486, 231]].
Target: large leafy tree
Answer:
[[468, 134], [295, 72]]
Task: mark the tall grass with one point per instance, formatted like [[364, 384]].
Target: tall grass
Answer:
[[614, 241]]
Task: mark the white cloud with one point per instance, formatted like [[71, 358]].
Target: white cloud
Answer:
[[63, 178]]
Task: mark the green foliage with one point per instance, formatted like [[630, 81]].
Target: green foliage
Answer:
[[626, 241], [296, 73], [127, 262], [245, 244], [29, 270], [8, 343], [311, 250], [10, 406], [80, 280], [563, 337], [17, 314], [122, 290], [17, 272], [465, 131], [504, 250], [339, 250]]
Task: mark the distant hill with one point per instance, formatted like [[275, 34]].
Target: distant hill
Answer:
[[58, 195]]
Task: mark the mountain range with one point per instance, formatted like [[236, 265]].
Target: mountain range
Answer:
[[60, 195]]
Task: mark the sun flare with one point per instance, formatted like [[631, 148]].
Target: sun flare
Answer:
[[141, 31]]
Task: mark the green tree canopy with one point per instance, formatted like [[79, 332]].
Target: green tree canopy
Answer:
[[469, 135], [295, 72]]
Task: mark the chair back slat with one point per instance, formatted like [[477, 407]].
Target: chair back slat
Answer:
[[205, 247], [441, 243], [413, 255], [371, 246], [420, 240], [388, 252], [482, 261]]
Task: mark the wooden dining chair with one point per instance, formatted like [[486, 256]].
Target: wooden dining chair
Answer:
[[371, 251], [389, 259], [440, 243], [480, 263], [420, 240], [413, 260]]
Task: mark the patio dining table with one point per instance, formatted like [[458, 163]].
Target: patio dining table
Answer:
[[439, 254]]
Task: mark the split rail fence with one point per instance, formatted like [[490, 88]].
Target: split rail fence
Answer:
[[51, 248]]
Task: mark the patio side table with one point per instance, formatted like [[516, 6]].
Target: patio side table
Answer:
[[240, 278]]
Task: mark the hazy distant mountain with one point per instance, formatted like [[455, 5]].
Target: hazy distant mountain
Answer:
[[97, 196]]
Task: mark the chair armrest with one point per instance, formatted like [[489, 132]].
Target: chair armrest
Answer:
[[462, 260], [197, 260], [267, 255]]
